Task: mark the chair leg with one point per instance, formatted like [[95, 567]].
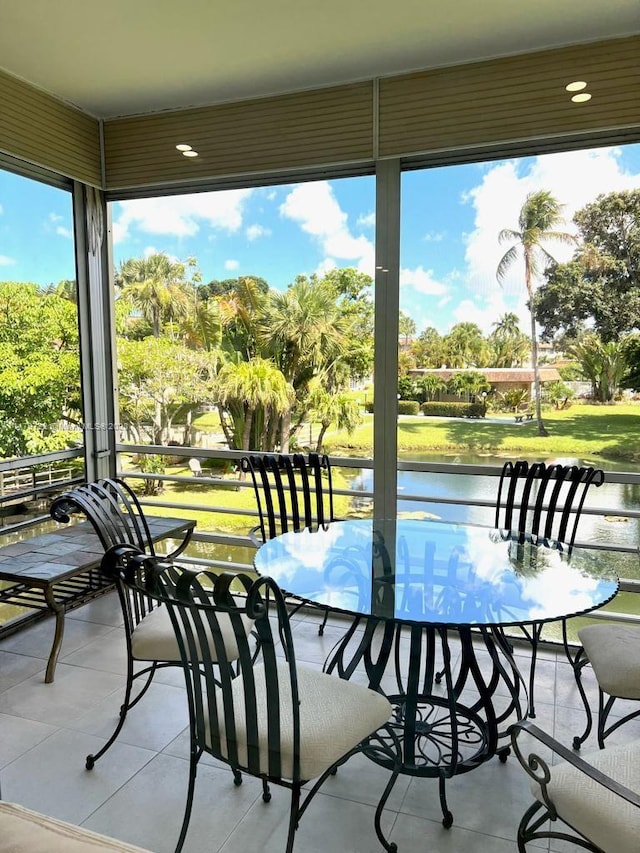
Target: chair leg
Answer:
[[534, 638], [324, 622], [389, 846], [578, 663], [193, 767], [124, 708], [447, 819], [293, 817]]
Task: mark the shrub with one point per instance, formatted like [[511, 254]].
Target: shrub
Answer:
[[408, 407], [454, 410], [368, 406]]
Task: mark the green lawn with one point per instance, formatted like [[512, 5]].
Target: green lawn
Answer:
[[588, 431]]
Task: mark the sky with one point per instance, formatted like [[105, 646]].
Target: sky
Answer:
[[451, 217]]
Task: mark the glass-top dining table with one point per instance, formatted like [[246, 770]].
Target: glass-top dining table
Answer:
[[428, 603]]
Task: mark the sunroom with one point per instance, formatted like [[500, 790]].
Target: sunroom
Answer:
[[361, 142]]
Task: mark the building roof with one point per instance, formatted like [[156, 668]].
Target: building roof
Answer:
[[494, 375]]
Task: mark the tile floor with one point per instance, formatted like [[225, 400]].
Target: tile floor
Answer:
[[136, 791]]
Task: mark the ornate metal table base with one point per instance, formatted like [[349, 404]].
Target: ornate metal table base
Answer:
[[448, 728]]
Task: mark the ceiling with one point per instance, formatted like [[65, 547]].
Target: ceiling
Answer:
[[122, 57]]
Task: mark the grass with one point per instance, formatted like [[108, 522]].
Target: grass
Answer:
[[587, 431]]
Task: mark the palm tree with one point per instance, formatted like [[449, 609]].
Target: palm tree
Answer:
[[539, 216], [253, 392], [510, 346], [156, 285], [305, 333]]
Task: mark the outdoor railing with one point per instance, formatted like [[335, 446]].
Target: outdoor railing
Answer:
[[238, 549], [221, 539]]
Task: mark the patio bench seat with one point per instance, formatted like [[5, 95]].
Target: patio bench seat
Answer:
[[26, 831]]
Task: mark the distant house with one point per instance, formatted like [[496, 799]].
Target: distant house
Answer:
[[501, 379]]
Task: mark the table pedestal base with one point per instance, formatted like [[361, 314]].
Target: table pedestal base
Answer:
[[444, 728]]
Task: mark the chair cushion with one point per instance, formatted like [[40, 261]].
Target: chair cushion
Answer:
[[614, 652], [607, 820], [335, 715], [155, 639], [24, 830]]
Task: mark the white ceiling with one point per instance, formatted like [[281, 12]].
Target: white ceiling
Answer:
[[119, 57]]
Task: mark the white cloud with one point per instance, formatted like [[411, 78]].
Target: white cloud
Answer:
[[231, 264], [255, 231], [574, 178], [181, 216], [423, 281], [315, 208], [54, 217], [367, 220], [6, 261], [434, 237], [1, 210], [64, 232]]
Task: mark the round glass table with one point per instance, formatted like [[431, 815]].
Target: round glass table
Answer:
[[429, 602]]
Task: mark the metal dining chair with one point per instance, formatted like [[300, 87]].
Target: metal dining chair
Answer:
[[596, 796], [292, 492], [116, 515], [613, 650], [542, 504], [271, 718]]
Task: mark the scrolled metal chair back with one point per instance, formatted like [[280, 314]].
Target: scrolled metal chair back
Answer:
[[113, 510], [543, 503], [235, 700], [292, 491]]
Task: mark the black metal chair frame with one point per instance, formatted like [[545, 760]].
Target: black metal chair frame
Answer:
[[605, 706], [532, 825], [546, 511], [117, 517], [292, 492], [196, 603]]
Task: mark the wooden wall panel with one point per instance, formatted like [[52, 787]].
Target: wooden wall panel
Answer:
[[46, 132], [510, 99], [303, 130]]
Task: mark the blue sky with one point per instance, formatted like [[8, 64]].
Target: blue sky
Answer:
[[451, 217]]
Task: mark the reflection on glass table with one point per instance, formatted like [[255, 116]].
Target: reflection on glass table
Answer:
[[431, 601]]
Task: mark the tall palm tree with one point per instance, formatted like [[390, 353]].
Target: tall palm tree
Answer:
[[156, 285], [539, 217]]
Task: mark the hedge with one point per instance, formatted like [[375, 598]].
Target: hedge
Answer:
[[408, 407], [454, 410]]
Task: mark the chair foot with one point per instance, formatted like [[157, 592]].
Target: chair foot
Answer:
[[90, 762], [237, 777], [266, 793], [504, 754]]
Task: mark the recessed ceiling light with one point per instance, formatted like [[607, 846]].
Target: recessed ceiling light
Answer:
[[576, 86], [580, 99], [183, 147], [195, 153]]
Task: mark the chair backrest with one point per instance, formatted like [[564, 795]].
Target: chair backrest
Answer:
[[195, 467], [244, 705], [113, 510], [543, 502], [292, 491], [116, 515]]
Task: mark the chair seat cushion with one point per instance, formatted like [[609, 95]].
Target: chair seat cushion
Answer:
[[24, 830], [155, 639], [614, 652], [607, 820], [335, 715]]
